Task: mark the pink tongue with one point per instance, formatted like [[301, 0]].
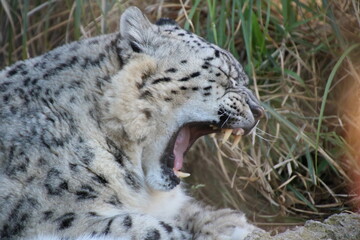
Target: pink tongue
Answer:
[[181, 144]]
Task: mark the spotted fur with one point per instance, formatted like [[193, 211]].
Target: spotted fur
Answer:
[[84, 129]]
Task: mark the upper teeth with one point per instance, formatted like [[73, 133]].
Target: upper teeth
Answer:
[[236, 141], [237, 132], [227, 133]]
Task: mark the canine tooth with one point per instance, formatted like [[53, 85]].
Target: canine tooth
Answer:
[[180, 174], [226, 135], [236, 141], [239, 131], [183, 175]]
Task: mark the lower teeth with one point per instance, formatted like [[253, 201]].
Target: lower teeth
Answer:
[[180, 174]]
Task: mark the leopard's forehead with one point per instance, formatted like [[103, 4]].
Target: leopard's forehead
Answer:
[[210, 53]]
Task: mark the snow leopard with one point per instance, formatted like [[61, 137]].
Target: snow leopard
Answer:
[[93, 135]]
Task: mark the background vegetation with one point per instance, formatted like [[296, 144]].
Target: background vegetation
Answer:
[[301, 56]]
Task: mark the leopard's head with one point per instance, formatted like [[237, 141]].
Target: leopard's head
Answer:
[[174, 88]]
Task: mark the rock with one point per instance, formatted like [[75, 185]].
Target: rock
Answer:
[[344, 226]]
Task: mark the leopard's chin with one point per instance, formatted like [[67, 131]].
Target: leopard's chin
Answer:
[[181, 141]]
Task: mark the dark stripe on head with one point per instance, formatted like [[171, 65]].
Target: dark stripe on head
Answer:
[[164, 79], [172, 70]]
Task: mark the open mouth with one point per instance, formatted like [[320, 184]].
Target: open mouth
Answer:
[[184, 138]]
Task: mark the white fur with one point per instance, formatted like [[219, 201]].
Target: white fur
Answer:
[[241, 233], [85, 237]]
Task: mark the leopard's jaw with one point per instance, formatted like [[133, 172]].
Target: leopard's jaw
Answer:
[[172, 158]]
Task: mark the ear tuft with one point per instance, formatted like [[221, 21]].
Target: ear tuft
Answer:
[[135, 27]]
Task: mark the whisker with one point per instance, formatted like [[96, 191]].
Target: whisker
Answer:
[[264, 139], [265, 133], [225, 121]]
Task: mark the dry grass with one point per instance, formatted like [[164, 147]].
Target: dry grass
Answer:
[[290, 170]]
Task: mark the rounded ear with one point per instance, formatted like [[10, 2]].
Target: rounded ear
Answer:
[[136, 28]]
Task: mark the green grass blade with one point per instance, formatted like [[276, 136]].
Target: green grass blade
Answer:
[[77, 19], [221, 26], [191, 14], [333, 22], [310, 165], [295, 76], [212, 15], [25, 19], [302, 197]]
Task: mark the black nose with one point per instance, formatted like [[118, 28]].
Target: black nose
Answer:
[[257, 111]]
